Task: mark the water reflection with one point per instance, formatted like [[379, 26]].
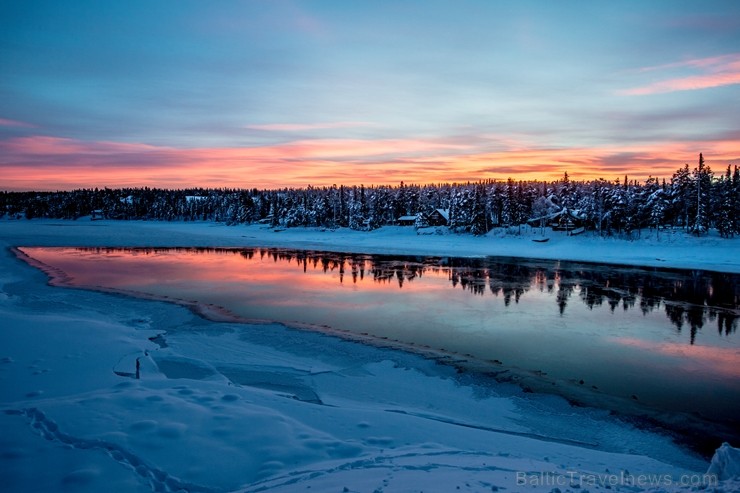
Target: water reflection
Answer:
[[690, 299], [597, 334]]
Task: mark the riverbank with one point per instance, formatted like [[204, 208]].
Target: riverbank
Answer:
[[667, 249], [239, 407]]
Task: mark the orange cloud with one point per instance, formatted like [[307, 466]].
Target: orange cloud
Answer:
[[49, 163], [722, 71]]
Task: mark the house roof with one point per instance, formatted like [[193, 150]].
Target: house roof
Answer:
[[445, 213], [407, 218], [573, 213]]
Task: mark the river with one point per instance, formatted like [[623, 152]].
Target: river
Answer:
[[655, 343]]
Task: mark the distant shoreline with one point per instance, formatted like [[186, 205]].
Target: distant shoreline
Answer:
[[672, 249]]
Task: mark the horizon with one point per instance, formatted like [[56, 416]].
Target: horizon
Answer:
[[291, 94], [626, 179]]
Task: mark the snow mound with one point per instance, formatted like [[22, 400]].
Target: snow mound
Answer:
[[725, 463]]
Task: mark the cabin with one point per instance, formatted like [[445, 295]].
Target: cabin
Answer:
[[439, 217], [406, 221], [566, 220], [194, 198], [562, 220]]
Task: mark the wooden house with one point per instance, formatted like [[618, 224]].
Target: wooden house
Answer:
[[566, 220], [406, 221], [439, 217]]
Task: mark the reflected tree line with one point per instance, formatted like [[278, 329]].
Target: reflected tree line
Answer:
[[691, 299]]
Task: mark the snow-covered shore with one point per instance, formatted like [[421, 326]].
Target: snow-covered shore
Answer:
[[234, 407], [671, 249]]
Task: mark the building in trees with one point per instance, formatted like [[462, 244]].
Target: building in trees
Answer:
[[439, 217]]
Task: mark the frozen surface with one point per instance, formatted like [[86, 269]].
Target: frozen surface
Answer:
[[658, 344], [726, 463], [232, 407]]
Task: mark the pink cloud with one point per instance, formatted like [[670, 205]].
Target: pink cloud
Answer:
[[708, 62], [5, 122], [43, 163], [714, 72], [39, 145], [686, 84], [722, 360]]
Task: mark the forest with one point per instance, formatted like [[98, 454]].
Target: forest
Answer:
[[693, 199]]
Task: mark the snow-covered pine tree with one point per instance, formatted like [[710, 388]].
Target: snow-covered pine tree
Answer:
[[736, 199], [656, 204], [702, 179], [680, 196], [495, 204], [523, 206], [479, 217], [540, 211], [567, 192], [616, 203], [356, 217], [508, 203], [724, 218]]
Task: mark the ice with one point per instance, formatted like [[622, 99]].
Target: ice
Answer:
[[236, 407], [725, 463]]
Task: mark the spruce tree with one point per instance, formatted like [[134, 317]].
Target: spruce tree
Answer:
[[479, 220], [681, 187], [736, 199], [725, 220], [702, 183]]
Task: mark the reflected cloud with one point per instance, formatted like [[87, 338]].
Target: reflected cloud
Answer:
[[718, 360], [691, 301], [479, 310]]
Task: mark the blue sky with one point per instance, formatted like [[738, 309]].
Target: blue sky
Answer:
[[258, 93]]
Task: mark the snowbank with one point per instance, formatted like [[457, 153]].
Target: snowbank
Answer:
[[725, 463], [674, 249], [233, 407]]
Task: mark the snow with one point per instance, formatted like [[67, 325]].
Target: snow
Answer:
[[236, 407], [668, 249], [725, 463], [445, 213]]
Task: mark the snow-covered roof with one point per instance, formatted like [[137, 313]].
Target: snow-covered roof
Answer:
[[574, 213], [445, 213], [407, 218]]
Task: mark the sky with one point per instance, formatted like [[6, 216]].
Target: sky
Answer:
[[282, 93]]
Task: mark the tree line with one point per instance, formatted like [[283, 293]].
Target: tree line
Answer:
[[693, 199]]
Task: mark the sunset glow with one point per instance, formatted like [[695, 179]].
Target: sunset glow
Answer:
[[290, 94], [719, 360]]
